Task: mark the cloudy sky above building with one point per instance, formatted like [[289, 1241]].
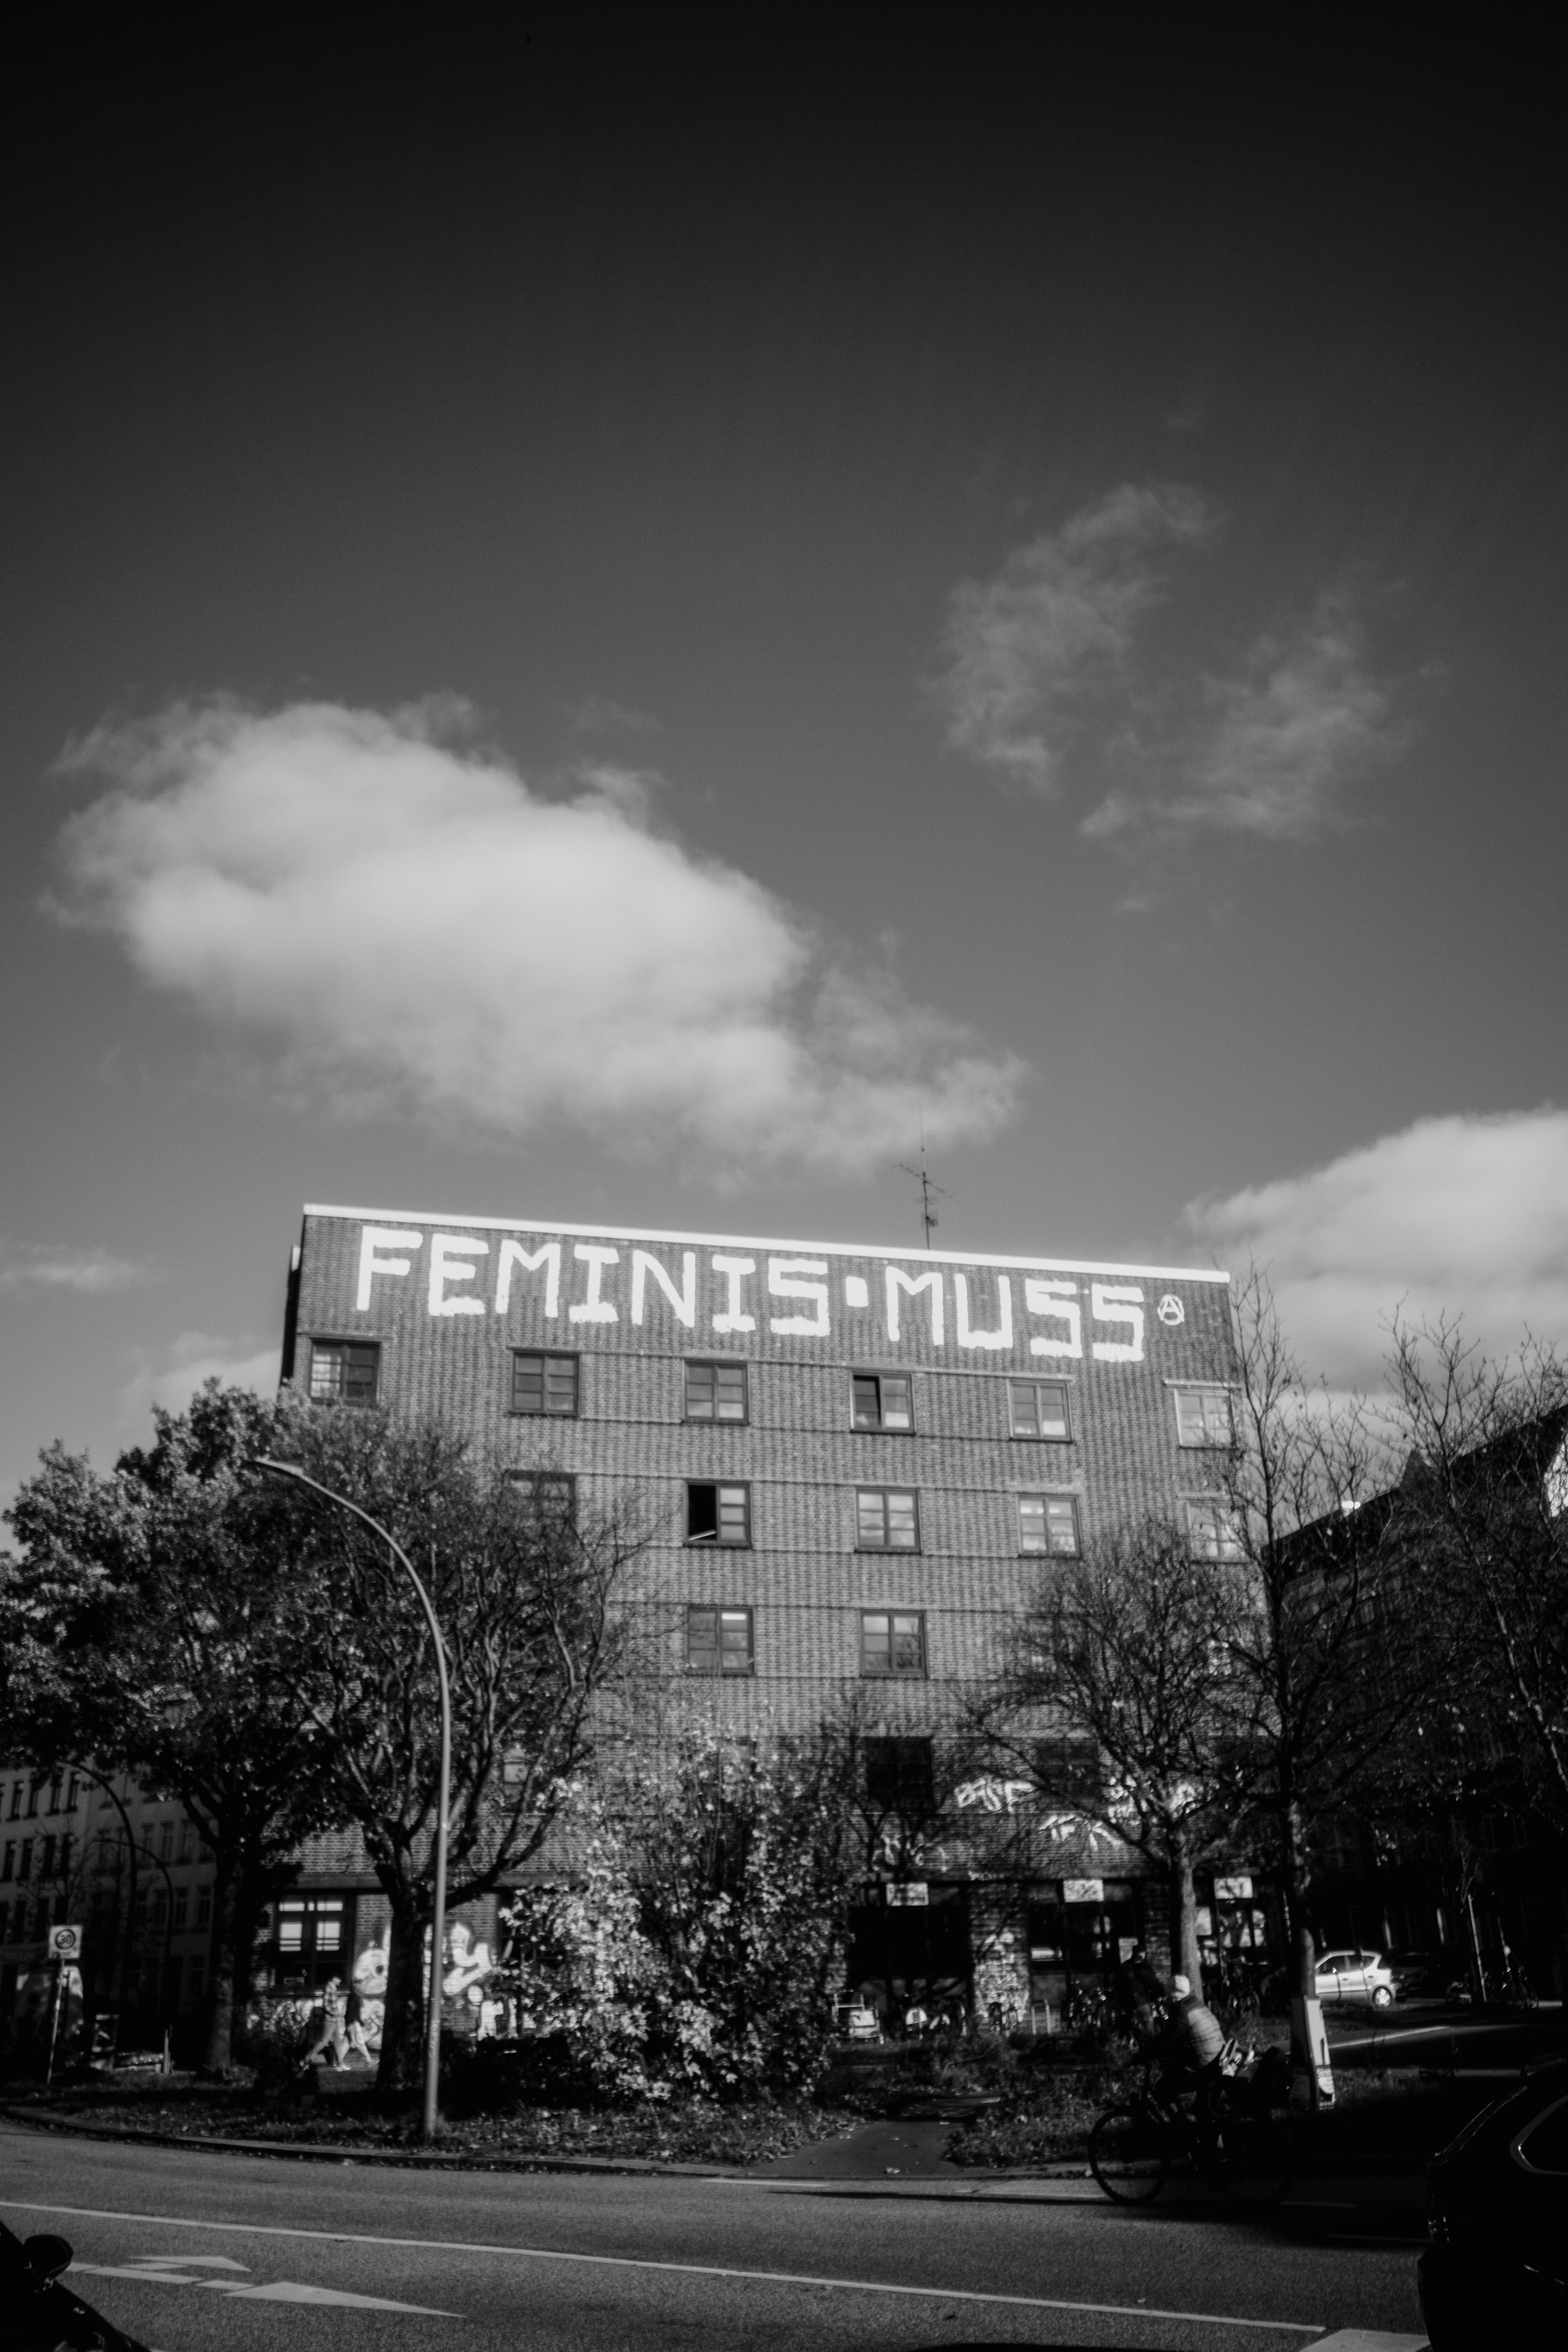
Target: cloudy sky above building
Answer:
[[598, 635]]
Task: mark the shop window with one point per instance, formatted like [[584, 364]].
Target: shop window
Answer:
[[900, 1778], [1202, 1416], [716, 1392], [1048, 1522], [718, 1641], [717, 1515], [1039, 1409], [892, 1642], [884, 1400], [542, 1383], [886, 1518]]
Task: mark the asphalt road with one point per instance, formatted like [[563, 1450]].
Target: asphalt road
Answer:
[[240, 2255]]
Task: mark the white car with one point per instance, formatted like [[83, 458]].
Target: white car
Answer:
[[1355, 1975]]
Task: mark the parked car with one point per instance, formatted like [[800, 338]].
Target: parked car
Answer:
[[1423, 1975], [38, 2314], [1496, 2266], [1355, 1975]]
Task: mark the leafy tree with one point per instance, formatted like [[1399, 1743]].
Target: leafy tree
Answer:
[[1128, 1652], [158, 1622], [531, 1605], [695, 1944]]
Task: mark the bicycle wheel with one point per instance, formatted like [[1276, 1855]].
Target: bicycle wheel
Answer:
[[1255, 2163], [1129, 2155]]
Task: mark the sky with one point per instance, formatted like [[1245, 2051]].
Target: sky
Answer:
[[609, 633]]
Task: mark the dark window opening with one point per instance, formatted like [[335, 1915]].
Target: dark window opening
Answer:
[[1066, 1769], [345, 1372], [716, 1514], [900, 1778]]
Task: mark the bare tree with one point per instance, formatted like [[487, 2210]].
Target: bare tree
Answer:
[[1482, 1519], [1315, 1687], [1127, 1651]]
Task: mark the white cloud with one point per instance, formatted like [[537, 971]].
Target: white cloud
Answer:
[[414, 926], [40, 1266], [1273, 748], [1025, 651], [170, 1376], [1466, 1215]]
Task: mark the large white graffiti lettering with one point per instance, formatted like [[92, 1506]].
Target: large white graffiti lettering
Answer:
[[979, 1310]]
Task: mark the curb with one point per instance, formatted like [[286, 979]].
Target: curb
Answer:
[[342, 2152]]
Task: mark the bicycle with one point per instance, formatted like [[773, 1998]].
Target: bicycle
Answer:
[[1241, 2145]]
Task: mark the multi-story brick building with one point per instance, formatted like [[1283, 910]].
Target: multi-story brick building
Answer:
[[856, 1462]]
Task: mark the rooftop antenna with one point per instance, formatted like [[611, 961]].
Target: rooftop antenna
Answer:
[[930, 1191]]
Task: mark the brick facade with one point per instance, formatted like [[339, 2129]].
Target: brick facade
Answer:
[[447, 1304]]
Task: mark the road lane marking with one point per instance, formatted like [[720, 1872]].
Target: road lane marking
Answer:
[[170, 2270], [685, 2270]]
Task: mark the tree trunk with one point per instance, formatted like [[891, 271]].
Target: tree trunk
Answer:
[[1303, 1959], [1189, 1959], [403, 2024], [218, 2054]]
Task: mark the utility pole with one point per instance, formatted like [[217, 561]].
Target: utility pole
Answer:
[[930, 1191]]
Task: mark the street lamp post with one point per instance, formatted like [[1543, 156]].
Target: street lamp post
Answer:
[[438, 1920]]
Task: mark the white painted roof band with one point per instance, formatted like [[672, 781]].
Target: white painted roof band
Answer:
[[763, 1241]]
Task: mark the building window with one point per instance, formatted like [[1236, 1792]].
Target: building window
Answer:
[[33, 1801], [203, 1906], [1066, 1769], [886, 1520], [196, 1975], [884, 1400], [892, 1642], [1213, 1531], [57, 1788], [715, 1513], [546, 1499], [1202, 1417], [718, 1641], [182, 1897], [25, 1862], [1048, 1522], [1038, 1409], [345, 1372], [310, 1939], [716, 1392], [899, 1778], [18, 1790], [544, 1383], [47, 1859]]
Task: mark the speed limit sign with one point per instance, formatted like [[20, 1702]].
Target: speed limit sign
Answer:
[[64, 1943]]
